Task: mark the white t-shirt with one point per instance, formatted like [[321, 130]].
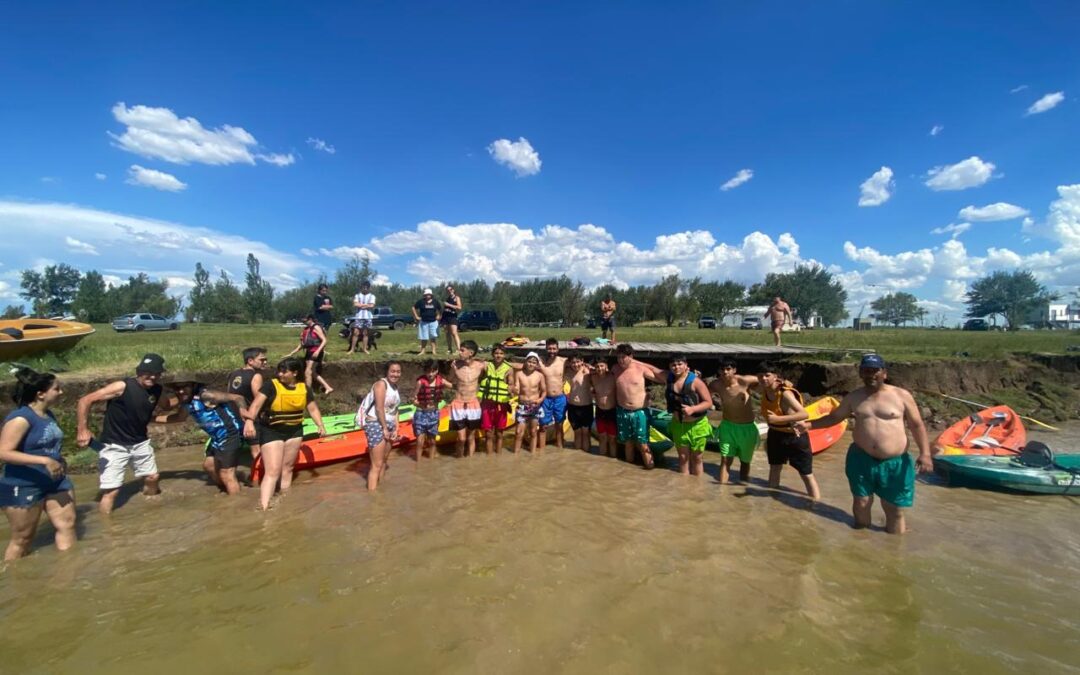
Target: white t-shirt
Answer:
[[366, 299]]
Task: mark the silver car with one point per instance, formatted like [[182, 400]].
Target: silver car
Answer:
[[143, 321]]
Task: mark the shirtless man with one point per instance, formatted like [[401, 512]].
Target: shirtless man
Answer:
[[603, 388], [607, 318], [630, 419], [878, 462], [737, 434], [781, 406], [778, 312], [580, 407], [529, 387], [465, 409], [553, 410]]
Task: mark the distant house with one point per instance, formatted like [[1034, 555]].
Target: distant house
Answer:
[[1055, 315]]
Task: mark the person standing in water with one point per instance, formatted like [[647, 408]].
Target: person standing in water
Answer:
[[213, 412], [450, 310], [688, 401], [430, 389], [495, 399], [877, 461], [529, 387], [603, 387], [131, 405], [630, 419], [781, 406], [737, 434], [34, 478], [579, 409], [379, 414], [465, 409], [246, 383]]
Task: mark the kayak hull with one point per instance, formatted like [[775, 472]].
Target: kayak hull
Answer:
[[20, 338], [996, 472], [960, 438]]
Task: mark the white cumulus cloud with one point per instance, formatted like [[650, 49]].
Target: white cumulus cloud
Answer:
[[877, 189], [937, 129], [953, 290], [320, 144], [76, 246], [971, 172], [152, 178], [992, 212], [518, 155], [158, 133], [1046, 103], [738, 179], [954, 229]]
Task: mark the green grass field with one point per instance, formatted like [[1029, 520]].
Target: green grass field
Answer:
[[209, 347]]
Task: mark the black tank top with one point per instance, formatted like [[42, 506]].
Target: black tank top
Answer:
[[127, 415], [447, 311], [240, 384]]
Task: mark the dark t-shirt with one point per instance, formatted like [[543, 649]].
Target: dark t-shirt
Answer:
[[127, 415], [322, 315], [428, 309]]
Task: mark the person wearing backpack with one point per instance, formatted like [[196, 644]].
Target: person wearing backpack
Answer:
[[688, 401]]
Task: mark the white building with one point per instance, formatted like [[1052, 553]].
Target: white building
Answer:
[[735, 318], [1056, 315]]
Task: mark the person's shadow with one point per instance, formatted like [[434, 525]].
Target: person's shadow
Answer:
[[796, 500]]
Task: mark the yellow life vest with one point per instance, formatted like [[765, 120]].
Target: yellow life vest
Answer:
[[288, 407], [493, 384]]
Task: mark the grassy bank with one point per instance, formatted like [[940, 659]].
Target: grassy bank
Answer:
[[206, 347]]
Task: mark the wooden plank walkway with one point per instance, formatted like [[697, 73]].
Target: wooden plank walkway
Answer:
[[693, 350]]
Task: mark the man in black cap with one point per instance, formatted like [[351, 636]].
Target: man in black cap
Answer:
[[878, 462], [131, 404]]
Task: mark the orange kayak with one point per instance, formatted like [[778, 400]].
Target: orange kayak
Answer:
[[823, 439], [992, 431], [335, 448]]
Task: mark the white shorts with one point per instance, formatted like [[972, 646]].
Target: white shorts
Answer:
[[113, 461]]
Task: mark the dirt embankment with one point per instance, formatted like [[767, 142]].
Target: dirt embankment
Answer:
[[1043, 386]]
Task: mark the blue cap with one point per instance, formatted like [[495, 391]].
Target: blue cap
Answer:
[[872, 361]]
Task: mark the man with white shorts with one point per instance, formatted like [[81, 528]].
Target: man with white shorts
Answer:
[[131, 404], [427, 311]]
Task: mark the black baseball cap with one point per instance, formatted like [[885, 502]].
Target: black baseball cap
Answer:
[[151, 363], [872, 361]]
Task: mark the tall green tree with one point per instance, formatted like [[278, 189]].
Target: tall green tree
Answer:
[[1013, 295], [12, 312], [227, 302], [258, 293], [347, 280], [897, 308], [52, 290], [91, 301], [663, 300], [140, 293], [501, 298], [714, 298], [810, 289], [572, 301], [199, 297]]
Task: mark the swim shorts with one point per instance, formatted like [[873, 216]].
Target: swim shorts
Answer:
[[892, 479], [554, 410], [776, 325], [427, 331], [361, 323], [25, 496], [527, 412], [374, 432], [605, 422], [738, 440], [113, 461], [632, 425], [580, 416], [225, 454], [494, 415], [784, 448], [465, 415], [426, 422], [693, 435], [608, 323], [269, 434]]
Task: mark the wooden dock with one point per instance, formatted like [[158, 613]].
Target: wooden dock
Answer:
[[692, 350]]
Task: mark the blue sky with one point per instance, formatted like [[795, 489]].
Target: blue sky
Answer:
[[119, 127]]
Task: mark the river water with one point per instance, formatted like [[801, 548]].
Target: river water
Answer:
[[560, 563]]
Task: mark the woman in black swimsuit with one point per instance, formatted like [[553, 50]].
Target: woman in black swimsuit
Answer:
[[449, 320]]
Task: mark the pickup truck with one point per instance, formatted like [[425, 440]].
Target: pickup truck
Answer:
[[384, 317]]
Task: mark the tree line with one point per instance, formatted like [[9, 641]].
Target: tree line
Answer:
[[811, 290]]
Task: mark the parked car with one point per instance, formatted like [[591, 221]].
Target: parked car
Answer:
[[751, 323], [140, 321], [976, 324], [706, 322], [590, 323], [384, 317], [479, 319]]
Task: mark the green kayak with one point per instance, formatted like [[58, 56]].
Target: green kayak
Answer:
[[340, 424], [1060, 477]]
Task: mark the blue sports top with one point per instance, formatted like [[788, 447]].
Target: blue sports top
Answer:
[[219, 422], [43, 438]]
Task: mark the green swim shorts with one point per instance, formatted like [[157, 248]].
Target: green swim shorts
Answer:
[[738, 440], [693, 435], [632, 425], [892, 479]]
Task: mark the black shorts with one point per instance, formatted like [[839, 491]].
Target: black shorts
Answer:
[[783, 448], [226, 455], [580, 416], [607, 324], [458, 425], [448, 320], [268, 434]]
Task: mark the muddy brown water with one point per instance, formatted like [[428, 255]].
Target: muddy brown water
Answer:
[[557, 563]]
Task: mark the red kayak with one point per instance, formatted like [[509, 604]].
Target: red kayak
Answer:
[[993, 431], [335, 448]]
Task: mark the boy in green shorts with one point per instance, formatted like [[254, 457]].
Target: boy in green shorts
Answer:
[[738, 434], [688, 400]]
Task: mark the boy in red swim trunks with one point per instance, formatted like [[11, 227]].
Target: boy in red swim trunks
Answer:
[[603, 388], [495, 399]]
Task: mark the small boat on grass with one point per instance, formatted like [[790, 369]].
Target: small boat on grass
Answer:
[[996, 431], [1035, 469], [20, 338]]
